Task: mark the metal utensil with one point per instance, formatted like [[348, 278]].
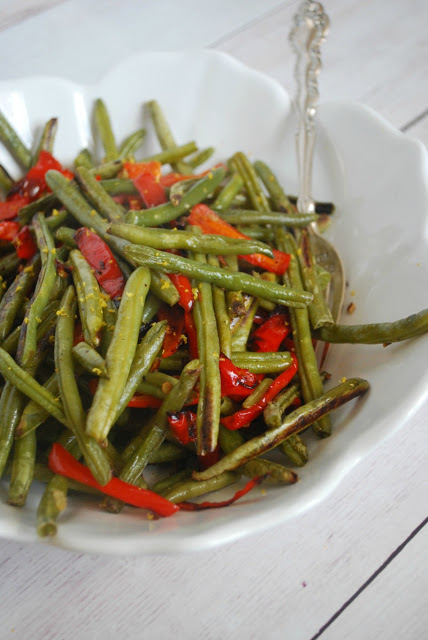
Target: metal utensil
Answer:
[[310, 26]]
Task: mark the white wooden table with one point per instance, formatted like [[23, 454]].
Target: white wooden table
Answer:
[[355, 565]]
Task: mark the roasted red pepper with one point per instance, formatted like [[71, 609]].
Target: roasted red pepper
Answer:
[[8, 230], [171, 178], [174, 332], [98, 254], [150, 190], [183, 426], [135, 169], [144, 401], [184, 288], [198, 506], [10, 208], [25, 244], [269, 335], [235, 382], [244, 417], [33, 185], [63, 463], [205, 218]]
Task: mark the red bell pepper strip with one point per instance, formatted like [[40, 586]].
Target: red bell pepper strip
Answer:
[[169, 179], [244, 417], [10, 208], [269, 335], [150, 190], [33, 184], [63, 463], [192, 336], [184, 288], [144, 401], [8, 230], [174, 332], [208, 220], [183, 426], [234, 380], [135, 169], [25, 244], [102, 261], [198, 506]]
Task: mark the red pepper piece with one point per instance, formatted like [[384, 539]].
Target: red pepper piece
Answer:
[[174, 333], [208, 459], [269, 335], [183, 426], [33, 185], [135, 169], [10, 208], [192, 336], [150, 189], [63, 463], [79, 337], [234, 380], [208, 220], [8, 230], [244, 417], [171, 178], [24, 243], [102, 261], [198, 506], [144, 401], [135, 203], [184, 288]]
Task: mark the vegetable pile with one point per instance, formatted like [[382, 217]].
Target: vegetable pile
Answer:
[[153, 313]]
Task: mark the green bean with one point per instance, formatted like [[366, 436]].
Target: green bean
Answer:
[[168, 452], [66, 236], [24, 458], [269, 277], [164, 213], [182, 491], [295, 449], [174, 362], [158, 378], [84, 159], [11, 403], [221, 314], [310, 379], [92, 452], [119, 356], [6, 181], [258, 393], [228, 406], [52, 503], [109, 319], [43, 290], [119, 186], [16, 294], [229, 191], [296, 421], [9, 264], [107, 170], [319, 312], [279, 198], [376, 332], [173, 155], [162, 287], [44, 204], [57, 219], [200, 157], [160, 260], [89, 298], [164, 134], [276, 218], [162, 486], [14, 144], [167, 239], [90, 359], [105, 132], [273, 411], [208, 412], [132, 143], [97, 195], [255, 192], [257, 232], [258, 362], [277, 473], [10, 343], [137, 456], [47, 138], [151, 389], [33, 414], [235, 302], [242, 328], [151, 307]]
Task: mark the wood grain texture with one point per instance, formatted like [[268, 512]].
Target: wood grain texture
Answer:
[[291, 580]]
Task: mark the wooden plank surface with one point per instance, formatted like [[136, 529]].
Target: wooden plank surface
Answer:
[[340, 570]]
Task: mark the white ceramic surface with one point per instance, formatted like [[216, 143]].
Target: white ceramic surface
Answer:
[[378, 179]]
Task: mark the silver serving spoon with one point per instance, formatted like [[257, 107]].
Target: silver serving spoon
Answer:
[[310, 26]]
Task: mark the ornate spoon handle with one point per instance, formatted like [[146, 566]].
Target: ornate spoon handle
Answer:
[[310, 26]]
